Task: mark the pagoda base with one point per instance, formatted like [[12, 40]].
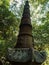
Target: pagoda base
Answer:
[[19, 56], [25, 56]]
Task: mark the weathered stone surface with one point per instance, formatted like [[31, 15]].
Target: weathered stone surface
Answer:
[[39, 57], [25, 54], [19, 54]]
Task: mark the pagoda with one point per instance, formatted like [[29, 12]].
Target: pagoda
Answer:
[[23, 53]]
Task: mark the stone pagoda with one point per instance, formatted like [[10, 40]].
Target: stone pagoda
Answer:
[[23, 52]]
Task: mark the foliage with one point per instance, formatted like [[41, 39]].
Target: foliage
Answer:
[[8, 25]]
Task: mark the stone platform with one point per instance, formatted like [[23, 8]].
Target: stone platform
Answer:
[[25, 56], [19, 54]]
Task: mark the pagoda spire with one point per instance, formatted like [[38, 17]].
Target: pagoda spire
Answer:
[[26, 14], [25, 33]]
